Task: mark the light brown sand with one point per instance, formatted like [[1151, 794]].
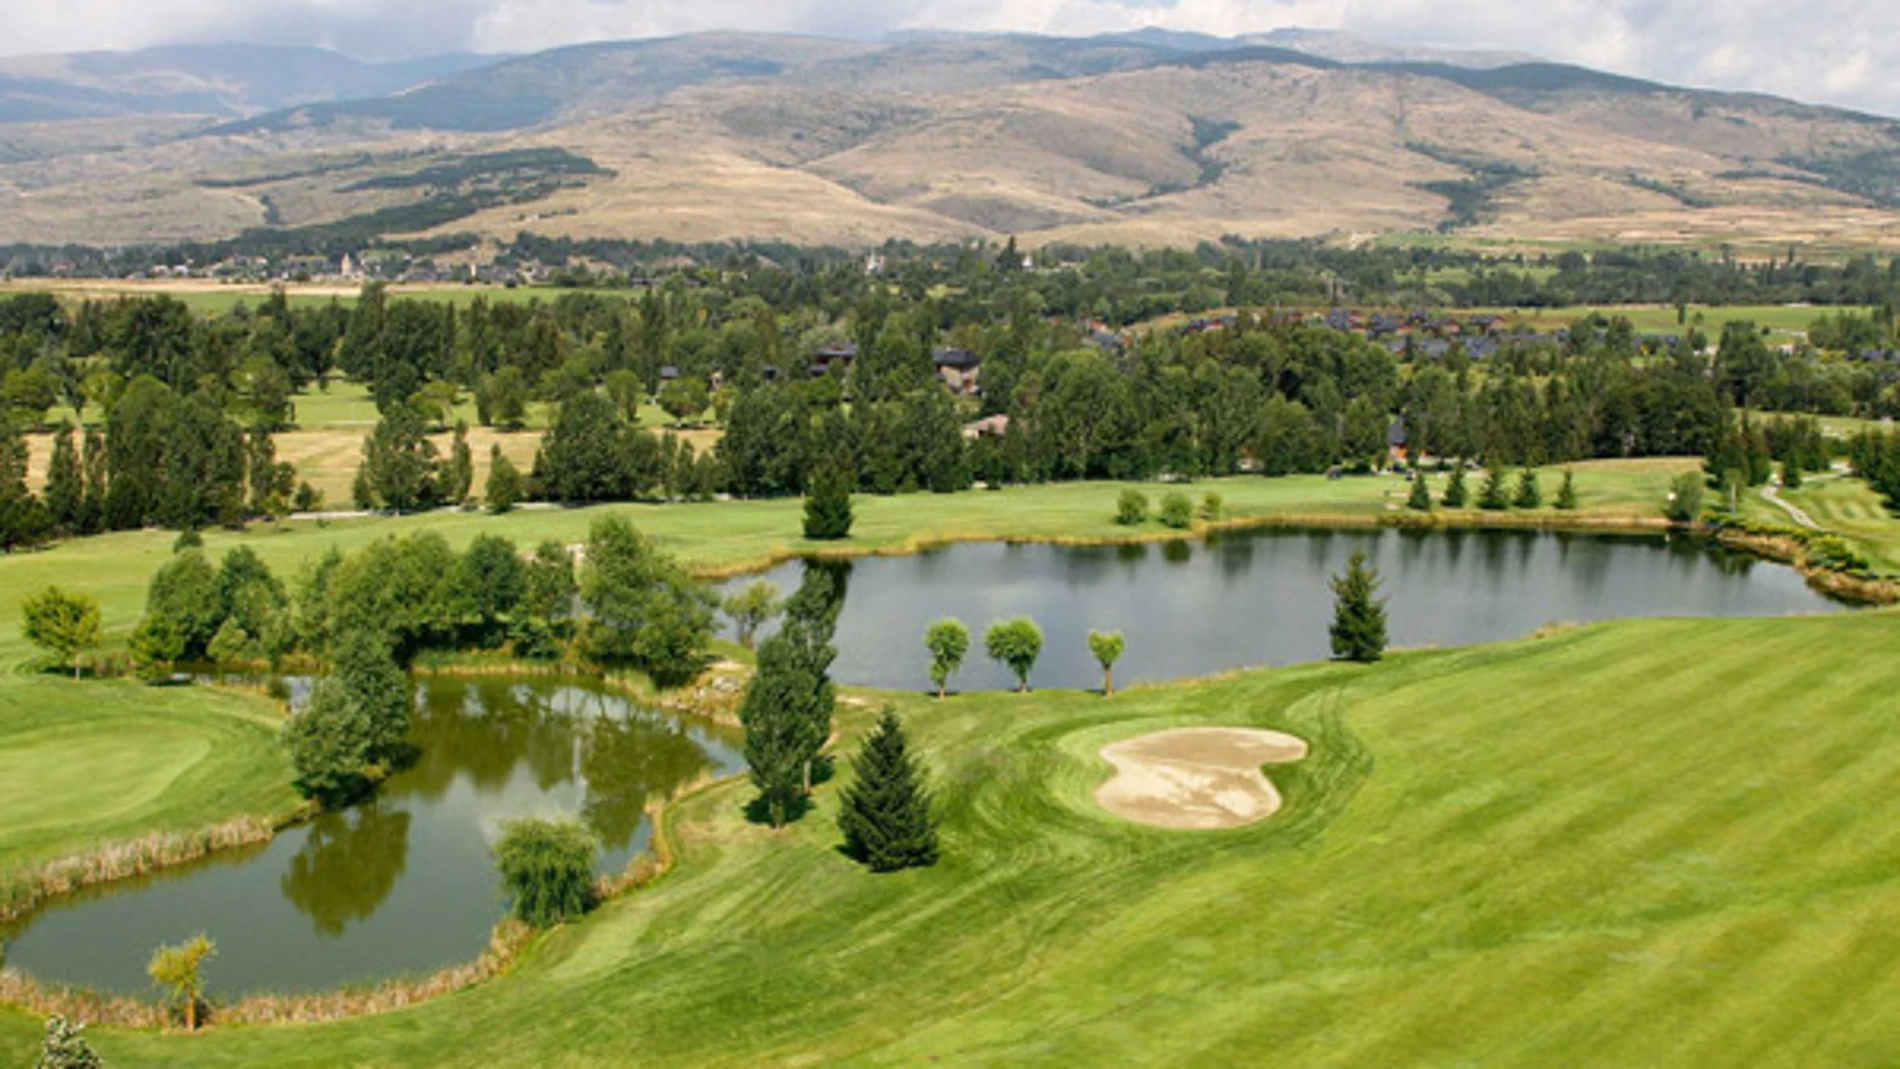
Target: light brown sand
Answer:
[[1196, 778]]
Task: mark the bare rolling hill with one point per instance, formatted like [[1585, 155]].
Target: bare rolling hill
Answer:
[[1146, 138]]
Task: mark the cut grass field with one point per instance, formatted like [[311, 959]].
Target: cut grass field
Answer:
[[209, 298], [86, 764], [1648, 842], [1847, 507], [1655, 843]]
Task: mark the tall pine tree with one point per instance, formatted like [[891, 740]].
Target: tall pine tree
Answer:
[[65, 482], [788, 706], [886, 818], [1358, 631], [828, 506]]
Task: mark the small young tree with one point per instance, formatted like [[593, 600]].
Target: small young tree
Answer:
[[1491, 496], [1791, 474], [885, 813], [1107, 646], [1358, 630], [1213, 506], [1016, 643], [548, 868], [828, 506], [1131, 509], [751, 608], [179, 969], [64, 625], [947, 641], [1456, 496], [1420, 499], [504, 490], [1685, 498], [1176, 510], [1567, 493], [1529, 494], [65, 1047]]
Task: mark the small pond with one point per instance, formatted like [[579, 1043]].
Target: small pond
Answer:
[[1261, 597], [404, 884]]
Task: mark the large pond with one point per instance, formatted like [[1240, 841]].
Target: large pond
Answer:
[[404, 884], [1261, 597]]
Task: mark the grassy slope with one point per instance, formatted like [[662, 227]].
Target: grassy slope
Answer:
[[1642, 843], [1850, 508], [86, 764]]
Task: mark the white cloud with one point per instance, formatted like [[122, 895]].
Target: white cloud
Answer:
[[1836, 51]]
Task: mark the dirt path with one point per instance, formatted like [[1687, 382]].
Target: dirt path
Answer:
[[1772, 494], [1196, 778]]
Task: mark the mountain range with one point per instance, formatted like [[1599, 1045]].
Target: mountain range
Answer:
[[1151, 137]]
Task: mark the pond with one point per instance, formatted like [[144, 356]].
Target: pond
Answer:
[[1261, 597], [404, 884]]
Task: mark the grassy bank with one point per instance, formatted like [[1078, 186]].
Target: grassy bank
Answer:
[[87, 766], [1650, 842]]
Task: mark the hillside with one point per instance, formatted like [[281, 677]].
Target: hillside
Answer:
[[1147, 138]]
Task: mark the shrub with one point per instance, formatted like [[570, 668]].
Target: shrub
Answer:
[[1420, 499], [548, 869], [1213, 506], [65, 1047], [1132, 508], [1177, 511]]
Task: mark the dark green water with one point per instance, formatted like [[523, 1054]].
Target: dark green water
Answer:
[[404, 884], [1261, 597]]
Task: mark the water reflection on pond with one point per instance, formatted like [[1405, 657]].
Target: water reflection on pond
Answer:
[[404, 884], [1261, 597]]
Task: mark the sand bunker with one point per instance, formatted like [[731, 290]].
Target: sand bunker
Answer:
[[1195, 778]]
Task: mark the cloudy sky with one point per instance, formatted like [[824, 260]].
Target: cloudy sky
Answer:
[[1832, 51]]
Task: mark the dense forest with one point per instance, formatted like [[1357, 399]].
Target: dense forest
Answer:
[[828, 368]]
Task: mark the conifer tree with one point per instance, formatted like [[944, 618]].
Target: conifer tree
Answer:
[[1790, 477], [1420, 499], [1567, 493], [1358, 630], [1456, 496], [1529, 494], [788, 706], [828, 506], [1491, 496], [92, 506], [65, 483], [886, 818]]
